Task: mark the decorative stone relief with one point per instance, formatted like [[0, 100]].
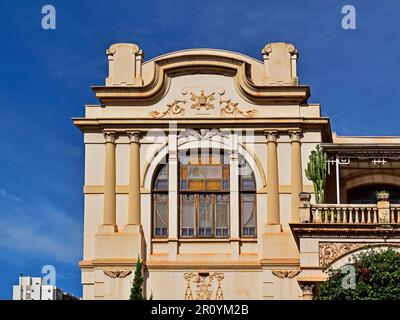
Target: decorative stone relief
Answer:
[[134, 136], [307, 288], [109, 137], [117, 273], [202, 100], [232, 108], [271, 136], [174, 108], [200, 134], [282, 274], [330, 251], [203, 284], [295, 136]]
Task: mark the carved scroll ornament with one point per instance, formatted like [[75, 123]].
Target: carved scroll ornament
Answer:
[[173, 109], [232, 108]]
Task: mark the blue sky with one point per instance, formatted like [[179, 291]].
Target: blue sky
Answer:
[[45, 79]]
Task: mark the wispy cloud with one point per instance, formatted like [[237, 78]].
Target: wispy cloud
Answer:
[[8, 196], [41, 230]]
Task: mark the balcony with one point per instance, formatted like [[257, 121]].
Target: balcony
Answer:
[[383, 212]]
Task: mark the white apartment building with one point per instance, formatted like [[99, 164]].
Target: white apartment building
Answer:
[[32, 288]]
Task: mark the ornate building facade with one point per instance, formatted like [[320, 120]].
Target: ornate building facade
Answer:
[[194, 162]]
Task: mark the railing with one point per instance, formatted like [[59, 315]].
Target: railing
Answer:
[[381, 212]]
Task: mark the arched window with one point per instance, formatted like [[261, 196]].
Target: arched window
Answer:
[[247, 188], [204, 194], [160, 202]]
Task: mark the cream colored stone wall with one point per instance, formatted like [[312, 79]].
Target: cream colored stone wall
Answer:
[[237, 284]]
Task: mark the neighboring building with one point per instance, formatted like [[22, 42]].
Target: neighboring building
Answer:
[[32, 288], [195, 161]]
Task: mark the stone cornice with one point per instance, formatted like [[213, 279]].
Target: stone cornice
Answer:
[[345, 231], [282, 125]]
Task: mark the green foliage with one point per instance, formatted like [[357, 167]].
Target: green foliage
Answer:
[[377, 275], [137, 286], [316, 172]]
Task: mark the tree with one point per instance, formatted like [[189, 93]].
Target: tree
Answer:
[[316, 172], [377, 277], [137, 286]]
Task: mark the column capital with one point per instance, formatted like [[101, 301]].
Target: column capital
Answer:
[[295, 135], [110, 136], [307, 289], [271, 135], [134, 136]]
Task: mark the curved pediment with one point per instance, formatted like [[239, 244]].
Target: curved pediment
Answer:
[[134, 82]]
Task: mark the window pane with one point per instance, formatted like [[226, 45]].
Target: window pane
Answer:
[[194, 157], [205, 215], [184, 172], [213, 172], [213, 185], [161, 214], [225, 157], [187, 212], [161, 182], [196, 185], [225, 184], [196, 172], [184, 184], [248, 183], [222, 215], [248, 214]]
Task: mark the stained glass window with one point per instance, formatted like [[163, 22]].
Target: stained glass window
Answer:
[[160, 202], [248, 206], [204, 194]]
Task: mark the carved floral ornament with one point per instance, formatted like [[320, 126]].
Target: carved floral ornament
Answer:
[[117, 273], [330, 251], [200, 285], [204, 101], [282, 274]]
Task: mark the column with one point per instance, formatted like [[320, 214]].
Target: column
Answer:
[[234, 217], [296, 173], [109, 214], [173, 173], [272, 178], [134, 179]]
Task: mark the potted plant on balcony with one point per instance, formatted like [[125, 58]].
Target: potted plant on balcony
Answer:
[[382, 195], [316, 172]]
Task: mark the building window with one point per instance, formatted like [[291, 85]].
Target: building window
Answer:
[[247, 188], [204, 194], [160, 202]]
